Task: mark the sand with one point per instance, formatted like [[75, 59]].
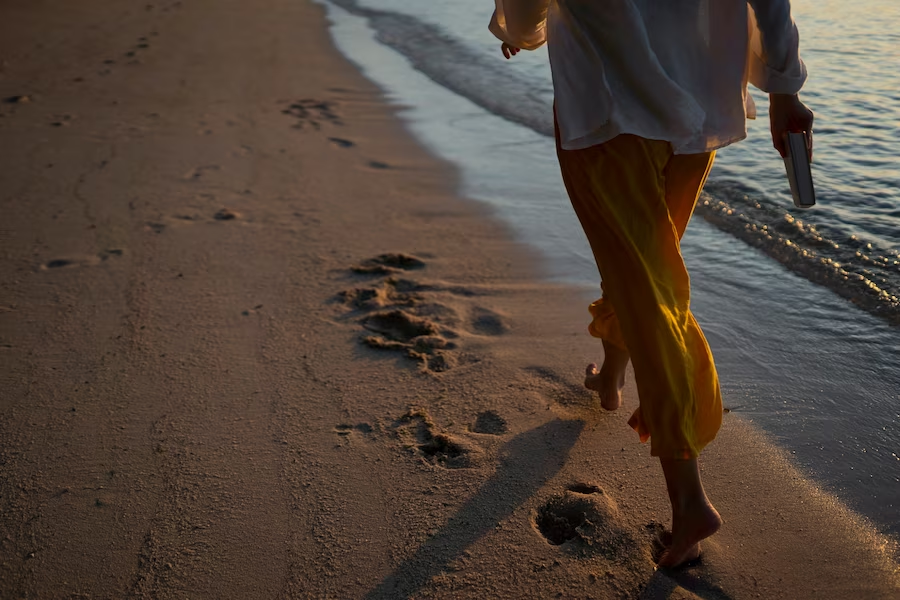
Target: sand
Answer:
[[255, 346]]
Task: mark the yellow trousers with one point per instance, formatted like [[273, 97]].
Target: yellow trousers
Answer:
[[634, 199]]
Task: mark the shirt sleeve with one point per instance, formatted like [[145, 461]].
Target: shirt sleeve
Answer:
[[774, 60], [520, 23]]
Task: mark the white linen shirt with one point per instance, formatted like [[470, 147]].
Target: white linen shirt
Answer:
[[671, 70]]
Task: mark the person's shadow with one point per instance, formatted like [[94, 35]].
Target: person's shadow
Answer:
[[527, 462], [668, 583]]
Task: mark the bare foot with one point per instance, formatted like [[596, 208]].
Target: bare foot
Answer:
[[692, 525], [610, 379], [607, 386]]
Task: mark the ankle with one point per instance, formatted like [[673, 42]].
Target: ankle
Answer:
[[691, 505]]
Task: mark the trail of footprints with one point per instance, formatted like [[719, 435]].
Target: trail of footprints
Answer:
[[157, 227], [583, 520], [428, 322], [132, 56], [424, 322], [313, 114]]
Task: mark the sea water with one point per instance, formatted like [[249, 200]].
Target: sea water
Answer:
[[800, 308]]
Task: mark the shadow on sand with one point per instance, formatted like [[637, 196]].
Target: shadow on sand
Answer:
[[528, 461], [667, 583]]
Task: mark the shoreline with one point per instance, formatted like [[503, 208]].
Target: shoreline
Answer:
[[190, 409]]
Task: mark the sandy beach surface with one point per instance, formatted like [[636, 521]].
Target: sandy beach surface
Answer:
[[254, 346]]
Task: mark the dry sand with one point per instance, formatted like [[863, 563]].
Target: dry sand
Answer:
[[212, 387]]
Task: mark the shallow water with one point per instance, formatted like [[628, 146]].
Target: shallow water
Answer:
[[818, 374]]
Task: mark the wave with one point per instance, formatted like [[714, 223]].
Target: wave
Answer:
[[852, 267], [848, 265]]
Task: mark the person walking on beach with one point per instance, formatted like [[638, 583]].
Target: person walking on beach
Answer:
[[645, 92]]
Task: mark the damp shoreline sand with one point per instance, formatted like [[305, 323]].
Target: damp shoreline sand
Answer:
[[224, 375]]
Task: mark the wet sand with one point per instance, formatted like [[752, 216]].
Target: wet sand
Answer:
[[254, 346]]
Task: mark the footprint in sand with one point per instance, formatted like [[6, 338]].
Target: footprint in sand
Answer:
[[585, 519], [341, 142], [417, 318], [62, 263], [418, 433], [447, 451], [111, 252], [390, 263], [347, 431], [186, 218], [391, 292], [179, 220], [132, 54], [377, 164], [226, 214], [81, 261], [199, 172], [489, 422], [21, 99], [400, 326], [312, 114], [365, 298], [252, 311], [419, 338], [344, 428], [404, 317], [487, 322], [61, 120]]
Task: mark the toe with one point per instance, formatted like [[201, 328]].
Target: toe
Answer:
[[591, 370]]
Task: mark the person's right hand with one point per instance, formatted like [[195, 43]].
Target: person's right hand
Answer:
[[788, 114], [508, 50]]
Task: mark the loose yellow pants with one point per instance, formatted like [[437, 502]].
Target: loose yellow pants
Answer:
[[634, 199]]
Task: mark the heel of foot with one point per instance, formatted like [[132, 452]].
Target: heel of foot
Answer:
[[611, 403]]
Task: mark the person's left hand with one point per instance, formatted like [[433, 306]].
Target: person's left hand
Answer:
[[788, 114], [508, 50]]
